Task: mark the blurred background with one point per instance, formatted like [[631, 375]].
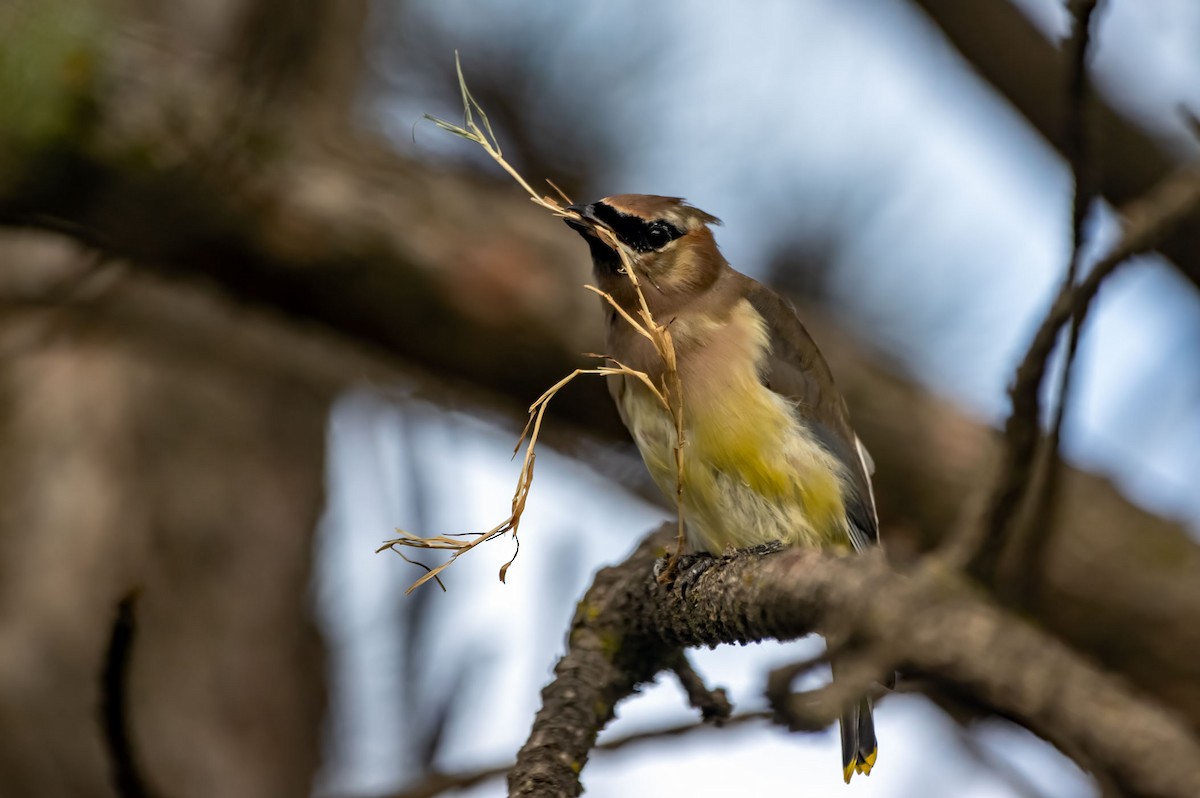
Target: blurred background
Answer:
[[259, 314]]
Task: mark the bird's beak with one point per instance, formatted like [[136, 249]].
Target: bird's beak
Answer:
[[605, 257], [587, 226]]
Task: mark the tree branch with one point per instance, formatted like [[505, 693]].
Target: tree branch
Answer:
[[712, 703], [930, 621], [1031, 539], [605, 662], [1028, 71], [1147, 221]]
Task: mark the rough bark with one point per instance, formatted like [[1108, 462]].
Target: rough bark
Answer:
[[931, 623]]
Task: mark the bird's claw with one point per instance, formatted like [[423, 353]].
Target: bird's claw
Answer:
[[689, 569]]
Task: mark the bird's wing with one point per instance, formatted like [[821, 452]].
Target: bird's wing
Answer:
[[795, 369]]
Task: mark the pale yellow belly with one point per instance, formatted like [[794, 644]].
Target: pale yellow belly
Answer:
[[752, 473]]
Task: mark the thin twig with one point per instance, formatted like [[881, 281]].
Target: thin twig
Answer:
[[1012, 777], [438, 783], [1148, 220], [1031, 542], [713, 703], [857, 675]]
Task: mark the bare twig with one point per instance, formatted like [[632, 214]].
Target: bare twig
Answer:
[[1147, 220], [1017, 781], [438, 783], [857, 675], [792, 714], [733, 721], [1029, 542], [1078, 146], [713, 703]]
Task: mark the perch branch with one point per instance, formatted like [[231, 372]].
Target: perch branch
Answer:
[[932, 623]]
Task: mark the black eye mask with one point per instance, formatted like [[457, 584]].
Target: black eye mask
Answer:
[[639, 234]]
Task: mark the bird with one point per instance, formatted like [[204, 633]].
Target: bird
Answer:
[[769, 454]]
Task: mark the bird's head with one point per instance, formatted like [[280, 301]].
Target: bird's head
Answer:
[[668, 241]]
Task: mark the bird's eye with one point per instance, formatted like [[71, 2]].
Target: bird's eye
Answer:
[[658, 235]]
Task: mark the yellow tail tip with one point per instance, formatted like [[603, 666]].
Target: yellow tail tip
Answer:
[[862, 766]]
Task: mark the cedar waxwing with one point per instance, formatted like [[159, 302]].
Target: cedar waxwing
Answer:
[[770, 454]]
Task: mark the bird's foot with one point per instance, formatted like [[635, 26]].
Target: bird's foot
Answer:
[[688, 570]]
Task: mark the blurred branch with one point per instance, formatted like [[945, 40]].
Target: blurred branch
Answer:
[[713, 703], [126, 774], [322, 225], [1008, 51], [438, 783], [1077, 137], [1147, 221], [1013, 778], [1030, 540], [932, 622], [813, 710]]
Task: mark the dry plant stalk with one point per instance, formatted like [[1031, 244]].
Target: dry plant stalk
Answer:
[[669, 394]]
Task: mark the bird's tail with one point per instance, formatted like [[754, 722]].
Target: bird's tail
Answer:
[[859, 747]]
